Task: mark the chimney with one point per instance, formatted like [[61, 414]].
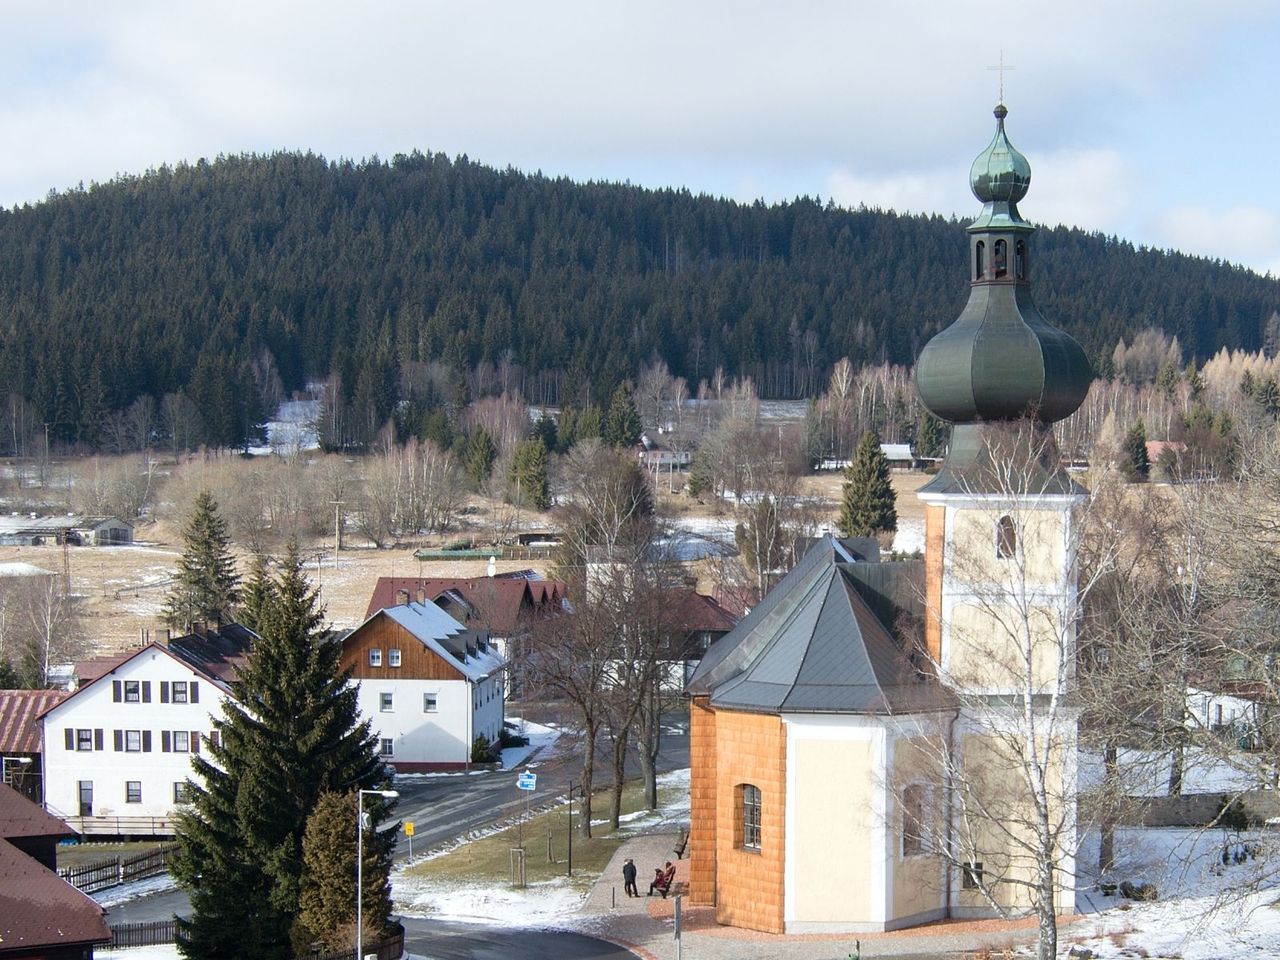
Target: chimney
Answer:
[[164, 635], [422, 595], [402, 597]]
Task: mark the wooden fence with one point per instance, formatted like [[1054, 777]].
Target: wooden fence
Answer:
[[117, 870], [166, 931], [143, 934]]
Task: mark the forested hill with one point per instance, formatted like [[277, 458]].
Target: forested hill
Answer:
[[184, 279]]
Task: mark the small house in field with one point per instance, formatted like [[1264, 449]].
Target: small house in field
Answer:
[[29, 530], [429, 685]]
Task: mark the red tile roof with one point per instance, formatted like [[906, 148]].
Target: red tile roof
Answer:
[[19, 817], [38, 909], [19, 728], [697, 613], [497, 603]]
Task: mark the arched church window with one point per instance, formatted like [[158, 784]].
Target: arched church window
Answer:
[[1000, 261], [1006, 538], [1020, 260], [748, 816], [979, 257]]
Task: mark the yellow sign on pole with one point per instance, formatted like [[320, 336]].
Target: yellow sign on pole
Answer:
[[408, 828]]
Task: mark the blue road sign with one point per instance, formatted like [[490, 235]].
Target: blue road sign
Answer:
[[527, 781]]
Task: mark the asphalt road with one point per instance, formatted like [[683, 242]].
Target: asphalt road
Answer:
[[444, 808]]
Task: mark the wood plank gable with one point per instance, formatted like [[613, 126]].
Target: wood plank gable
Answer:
[[417, 661]]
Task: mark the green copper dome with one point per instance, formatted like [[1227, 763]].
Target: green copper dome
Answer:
[[1001, 360], [1000, 172]]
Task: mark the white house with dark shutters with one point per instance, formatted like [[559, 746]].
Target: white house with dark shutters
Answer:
[[118, 749]]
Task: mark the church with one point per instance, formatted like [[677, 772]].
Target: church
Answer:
[[883, 744]]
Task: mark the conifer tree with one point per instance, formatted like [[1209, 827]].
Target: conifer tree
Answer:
[[527, 479], [1136, 464], [257, 593], [622, 424], [868, 505], [546, 431], [326, 913], [928, 436], [206, 586], [293, 733], [479, 456], [589, 425]]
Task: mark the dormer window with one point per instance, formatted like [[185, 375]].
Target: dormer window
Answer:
[[1000, 261], [1006, 539], [979, 260]]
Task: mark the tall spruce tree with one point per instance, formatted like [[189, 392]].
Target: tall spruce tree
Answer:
[[622, 423], [527, 479], [258, 592], [207, 585], [293, 733], [868, 505], [1136, 464], [479, 455]]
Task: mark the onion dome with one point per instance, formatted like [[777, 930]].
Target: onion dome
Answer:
[[1001, 360], [1000, 172]]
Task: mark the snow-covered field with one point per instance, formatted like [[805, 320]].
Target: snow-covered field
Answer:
[[1146, 774]]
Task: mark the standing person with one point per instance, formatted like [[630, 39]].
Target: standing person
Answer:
[[629, 878]]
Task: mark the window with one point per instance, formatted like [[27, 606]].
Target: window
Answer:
[[180, 691], [387, 747], [386, 702], [1000, 259], [428, 703], [1006, 539], [749, 811], [971, 875], [979, 264], [133, 741], [181, 792], [375, 656], [393, 657], [181, 741], [84, 739], [132, 691], [133, 791], [913, 820], [1020, 260]]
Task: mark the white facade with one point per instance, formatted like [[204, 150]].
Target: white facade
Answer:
[[117, 751], [431, 722]]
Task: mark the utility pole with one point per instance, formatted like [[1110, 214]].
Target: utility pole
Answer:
[[337, 530]]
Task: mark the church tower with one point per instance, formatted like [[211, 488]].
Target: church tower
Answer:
[[1000, 583]]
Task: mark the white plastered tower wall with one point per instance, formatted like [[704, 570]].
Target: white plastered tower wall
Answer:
[[843, 775], [1007, 628]]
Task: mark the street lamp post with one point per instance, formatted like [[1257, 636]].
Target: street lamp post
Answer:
[[4, 774], [390, 795]]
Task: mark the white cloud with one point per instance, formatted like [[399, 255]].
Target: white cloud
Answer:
[[923, 192], [1243, 233], [1081, 188]]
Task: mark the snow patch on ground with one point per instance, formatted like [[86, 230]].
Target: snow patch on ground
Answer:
[[1206, 910], [1146, 773], [540, 905], [114, 896], [540, 738], [909, 537], [165, 951]]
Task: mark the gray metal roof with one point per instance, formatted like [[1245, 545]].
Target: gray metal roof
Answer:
[[815, 646]]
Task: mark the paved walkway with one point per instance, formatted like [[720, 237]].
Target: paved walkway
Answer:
[[647, 925]]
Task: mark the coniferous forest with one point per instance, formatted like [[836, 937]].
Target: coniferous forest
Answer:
[[219, 286]]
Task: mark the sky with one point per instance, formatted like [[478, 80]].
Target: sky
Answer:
[[1153, 121]]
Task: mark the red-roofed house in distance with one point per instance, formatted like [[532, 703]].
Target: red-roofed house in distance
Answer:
[[503, 606], [21, 739], [42, 917]]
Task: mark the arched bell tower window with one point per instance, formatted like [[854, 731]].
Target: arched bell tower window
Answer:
[[1020, 260], [1006, 538], [1000, 261], [979, 260]]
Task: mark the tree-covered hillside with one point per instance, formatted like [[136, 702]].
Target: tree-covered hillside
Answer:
[[220, 282]]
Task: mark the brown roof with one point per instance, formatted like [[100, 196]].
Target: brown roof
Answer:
[[38, 909], [19, 817], [19, 728], [86, 671], [497, 603], [695, 612]]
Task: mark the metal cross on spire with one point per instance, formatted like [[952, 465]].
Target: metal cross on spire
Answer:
[[1002, 67]]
